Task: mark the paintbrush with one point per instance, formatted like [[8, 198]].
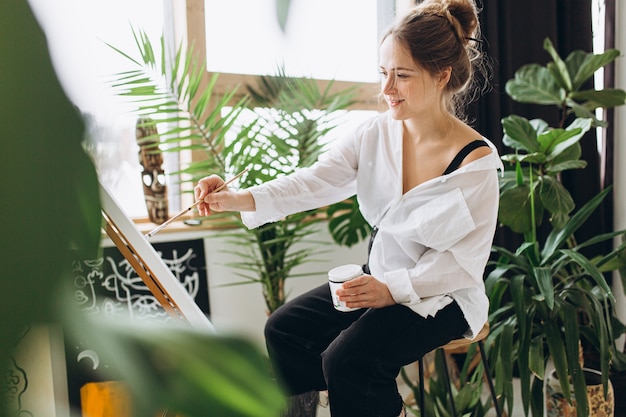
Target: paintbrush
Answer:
[[220, 188]]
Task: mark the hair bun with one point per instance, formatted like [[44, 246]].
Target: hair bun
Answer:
[[462, 15]]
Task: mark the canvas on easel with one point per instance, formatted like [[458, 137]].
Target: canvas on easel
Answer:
[[149, 266], [134, 280]]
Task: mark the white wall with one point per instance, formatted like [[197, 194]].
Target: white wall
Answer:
[[620, 143], [40, 369]]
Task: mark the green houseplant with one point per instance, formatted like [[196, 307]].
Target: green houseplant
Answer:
[[293, 116], [39, 223], [466, 383], [272, 129], [548, 296], [48, 139]]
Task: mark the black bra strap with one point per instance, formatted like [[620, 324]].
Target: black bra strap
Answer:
[[467, 149]]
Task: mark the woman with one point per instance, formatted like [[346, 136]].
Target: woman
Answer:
[[427, 183]]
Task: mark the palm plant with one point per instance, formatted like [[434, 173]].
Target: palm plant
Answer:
[[293, 116], [547, 296], [188, 112], [272, 130]]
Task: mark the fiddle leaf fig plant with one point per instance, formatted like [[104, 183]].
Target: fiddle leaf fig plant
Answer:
[[547, 296], [548, 152], [562, 83]]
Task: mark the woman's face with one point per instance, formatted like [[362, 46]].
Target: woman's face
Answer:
[[408, 90]]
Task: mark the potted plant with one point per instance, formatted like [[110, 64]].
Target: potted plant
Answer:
[[462, 373], [548, 296], [272, 129], [293, 115]]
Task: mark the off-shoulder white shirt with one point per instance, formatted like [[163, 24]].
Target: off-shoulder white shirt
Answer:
[[433, 241]]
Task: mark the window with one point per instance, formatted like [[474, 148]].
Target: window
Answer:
[[324, 39]]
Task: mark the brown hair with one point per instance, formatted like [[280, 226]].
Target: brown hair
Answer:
[[441, 34]]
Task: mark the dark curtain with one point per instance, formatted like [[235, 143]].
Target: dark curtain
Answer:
[[513, 34]]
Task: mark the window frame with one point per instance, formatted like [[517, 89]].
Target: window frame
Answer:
[[366, 98]]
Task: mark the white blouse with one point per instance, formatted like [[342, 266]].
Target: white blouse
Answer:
[[433, 242]]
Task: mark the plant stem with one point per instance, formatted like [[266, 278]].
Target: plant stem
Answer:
[[533, 221]]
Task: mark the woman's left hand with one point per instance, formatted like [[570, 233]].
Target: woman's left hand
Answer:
[[365, 292]]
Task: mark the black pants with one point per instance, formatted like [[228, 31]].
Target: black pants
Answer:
[[356, 355]]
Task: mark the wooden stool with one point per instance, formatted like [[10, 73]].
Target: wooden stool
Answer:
[[456, 345]]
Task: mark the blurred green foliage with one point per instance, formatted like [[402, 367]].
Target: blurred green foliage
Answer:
[[51, 214]]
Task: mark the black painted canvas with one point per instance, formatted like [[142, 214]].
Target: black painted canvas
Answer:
[[109, 286]]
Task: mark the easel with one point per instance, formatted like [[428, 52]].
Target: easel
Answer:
[[149, 266], [111, 399]]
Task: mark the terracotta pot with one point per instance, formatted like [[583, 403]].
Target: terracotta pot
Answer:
[[558, 406]]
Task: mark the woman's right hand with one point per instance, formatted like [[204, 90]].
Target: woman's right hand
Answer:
[[224, 200]]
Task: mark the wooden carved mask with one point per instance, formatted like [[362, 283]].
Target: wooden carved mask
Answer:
[[152, 176]]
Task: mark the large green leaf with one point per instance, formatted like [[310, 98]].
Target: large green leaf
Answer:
[[570, 137], [554, 196], [515, 209], [519, 133], [50, 203], [548, 140], [584, 65], [185, 371], [346, 223], [556, 238], [555, 168], [558, 68], [535, 84], [605, 98]]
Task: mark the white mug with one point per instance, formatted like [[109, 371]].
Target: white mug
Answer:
[[336, 277]]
